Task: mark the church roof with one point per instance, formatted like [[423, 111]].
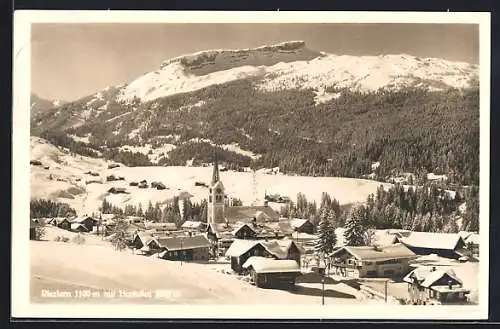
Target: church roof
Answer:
[[247, 213]]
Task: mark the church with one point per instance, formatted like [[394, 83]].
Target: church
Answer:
[[222, 219]]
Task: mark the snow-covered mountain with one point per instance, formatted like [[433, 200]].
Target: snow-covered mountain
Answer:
[[315, 71], [282, 105], [40, 104]]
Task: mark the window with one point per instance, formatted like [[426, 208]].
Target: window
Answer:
[[209, 198]]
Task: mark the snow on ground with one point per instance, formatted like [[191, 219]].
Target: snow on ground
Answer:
[[154, 154], [133, 133], [58, 265], [237, 149], [362, 72], [72, 188], [322, 96], [118, 116], [81, 139]]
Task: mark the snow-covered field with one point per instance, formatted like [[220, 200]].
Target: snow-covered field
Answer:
[[68, 266], [68, 182]]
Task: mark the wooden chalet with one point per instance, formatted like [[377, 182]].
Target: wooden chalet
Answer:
[[364, 261], [472, 239], [241, 250], [246, 231], [302, 225], [160, 227], [246, 214], [86, 221], [184, 248], [426, 284], [448, 245], [194, 226], [272, 273], [78, 227], [145, 243], [33, 226], [60, 222]]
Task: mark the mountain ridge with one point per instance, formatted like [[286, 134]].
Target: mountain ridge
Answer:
[[324, 116]]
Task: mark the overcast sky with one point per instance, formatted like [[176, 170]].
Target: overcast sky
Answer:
[[70, 61]]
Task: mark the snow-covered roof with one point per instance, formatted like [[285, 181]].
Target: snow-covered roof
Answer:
[[280, 247], [75, 226], [367, 253], [384, 237], [239, 247], [81, 219], [298, 222], [469, 237], [164, 226], [145, 238], [428, 240], [427, 276], [192, 224], [183, 243], [269, 265], [247, 213], [239, 227]]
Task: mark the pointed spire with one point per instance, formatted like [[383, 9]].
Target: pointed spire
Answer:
[[215, 174]]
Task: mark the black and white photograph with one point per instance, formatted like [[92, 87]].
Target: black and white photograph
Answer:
[[251, 164]]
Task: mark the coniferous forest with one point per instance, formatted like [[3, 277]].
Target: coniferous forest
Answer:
[[408, 130]]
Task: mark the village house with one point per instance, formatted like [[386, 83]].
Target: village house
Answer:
[[365, 261], [426, 284], [472, 239], [302, 225], [60, 222], [184, 248], [86, 221], [245, 231], [33, 226], [241, 250], [78, 227], [117, 190], [271, 273], [194, 226], [160, 227], [448, 245], [145, 242]]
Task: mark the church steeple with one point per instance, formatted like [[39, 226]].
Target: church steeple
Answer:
[[215, 174], [216, 197]]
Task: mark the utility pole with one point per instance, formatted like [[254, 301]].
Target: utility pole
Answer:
[[323, 291], [386, 290], [182, 252]]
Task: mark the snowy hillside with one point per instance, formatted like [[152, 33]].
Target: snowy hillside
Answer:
[[40, 104], [65, 180], [365, 73]]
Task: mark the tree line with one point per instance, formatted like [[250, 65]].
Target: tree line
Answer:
[[169, 213], [42, 208]]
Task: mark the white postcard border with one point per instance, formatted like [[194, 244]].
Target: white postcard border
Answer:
[[21, 306]]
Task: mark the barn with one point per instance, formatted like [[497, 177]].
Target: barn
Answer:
[[272, 273], [448, 245], [184, 248]]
